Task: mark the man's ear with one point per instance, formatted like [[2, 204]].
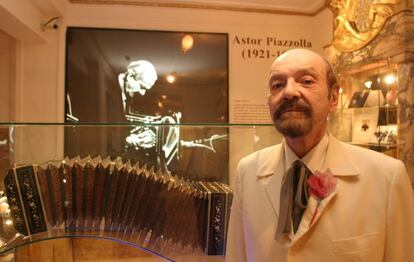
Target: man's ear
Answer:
[[269, 99], [333, 98]]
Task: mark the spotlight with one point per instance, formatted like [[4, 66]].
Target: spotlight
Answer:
[[368, 84], [389, 79], [170, 78], [187, 43]]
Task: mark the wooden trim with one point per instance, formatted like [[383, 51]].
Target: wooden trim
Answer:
[[172, 4]]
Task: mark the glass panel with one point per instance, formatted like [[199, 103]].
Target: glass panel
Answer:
[[165, 192], [367, 111]]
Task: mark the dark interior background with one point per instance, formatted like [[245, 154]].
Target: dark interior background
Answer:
[[95, 58]]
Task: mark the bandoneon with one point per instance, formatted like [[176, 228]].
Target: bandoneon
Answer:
[[119, 200]]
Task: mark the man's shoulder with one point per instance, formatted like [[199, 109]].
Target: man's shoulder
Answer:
[[364, 154], [370, 161]]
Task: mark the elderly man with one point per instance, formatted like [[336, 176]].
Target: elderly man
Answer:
[[312, 197], [139, 78]]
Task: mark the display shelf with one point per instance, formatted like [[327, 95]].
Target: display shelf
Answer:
[[380, 147], [173, 164], [367, 114], [385, 107], [174, 156]]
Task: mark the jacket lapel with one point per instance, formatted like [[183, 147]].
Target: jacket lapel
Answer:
[[340, 164], [270, 174], [312, 213]]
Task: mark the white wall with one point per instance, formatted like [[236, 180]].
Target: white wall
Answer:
[[41, 73], [6, 78], [247, 77], [39, 94]]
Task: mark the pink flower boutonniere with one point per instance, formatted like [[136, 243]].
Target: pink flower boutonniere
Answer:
[[320, 186]]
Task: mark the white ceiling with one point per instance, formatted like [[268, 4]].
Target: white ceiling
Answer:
[[304, 7]]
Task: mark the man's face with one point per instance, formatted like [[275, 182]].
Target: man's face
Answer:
[[299, 100], [134, 82]]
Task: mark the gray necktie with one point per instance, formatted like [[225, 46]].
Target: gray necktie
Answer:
[[293, 199]]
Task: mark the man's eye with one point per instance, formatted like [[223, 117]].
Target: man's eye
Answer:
[[307, 81], [276, 85]]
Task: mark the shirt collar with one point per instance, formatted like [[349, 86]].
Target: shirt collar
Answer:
[[314, 159]]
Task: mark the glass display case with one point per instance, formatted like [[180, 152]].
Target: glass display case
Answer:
[[164, 191], [367, 113]]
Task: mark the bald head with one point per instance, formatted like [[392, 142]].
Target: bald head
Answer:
[[298, 53], [306, 56]]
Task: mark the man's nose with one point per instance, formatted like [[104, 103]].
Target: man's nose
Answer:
[[291, 90]]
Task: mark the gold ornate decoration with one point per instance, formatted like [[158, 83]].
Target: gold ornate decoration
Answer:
[[358, 22]]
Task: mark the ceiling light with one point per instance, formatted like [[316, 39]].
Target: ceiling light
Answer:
[[187, 43], [389, 79], [368, 84], [170, 78]]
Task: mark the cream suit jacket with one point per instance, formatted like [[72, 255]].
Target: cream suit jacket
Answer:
[[369, 216]]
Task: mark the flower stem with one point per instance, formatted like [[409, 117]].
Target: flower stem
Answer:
[[315, 213]]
